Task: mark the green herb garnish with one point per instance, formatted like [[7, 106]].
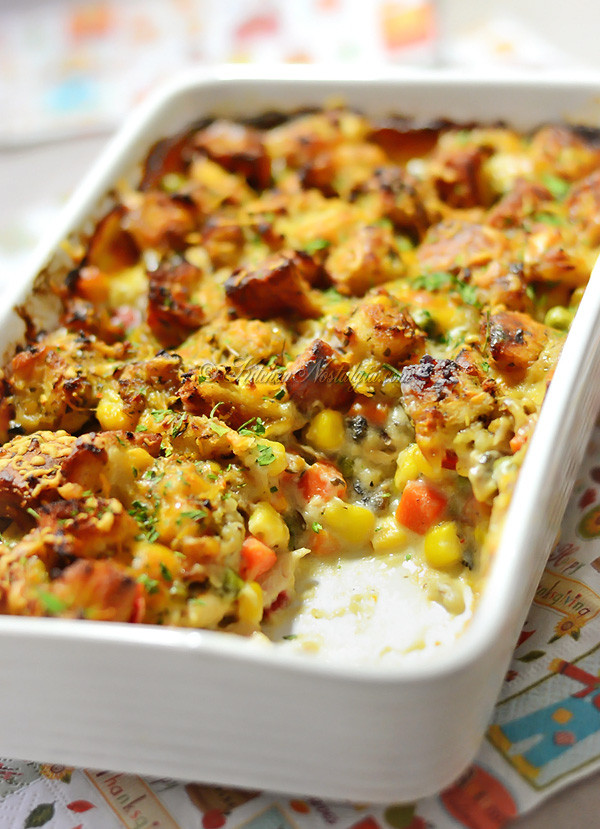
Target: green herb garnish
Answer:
[[266, 455], [150, 585], [557, 186], [253, 428], [165, 572], [195, 514], [146, 520], [316, 244], [52, 604]]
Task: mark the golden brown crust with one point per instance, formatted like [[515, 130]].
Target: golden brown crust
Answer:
[[458, 176], [277, 287], [382, 328], [347, 307], [442, 398], [172, 316], [33, 468], [366, 259], [238, 149], [159, 221], [319, 375], [524, 199], [514, 340]]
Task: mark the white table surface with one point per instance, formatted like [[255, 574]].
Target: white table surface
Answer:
[[34, 179]]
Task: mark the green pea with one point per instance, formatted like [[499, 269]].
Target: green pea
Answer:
[[559, 317], [172, 182], [425, 321]]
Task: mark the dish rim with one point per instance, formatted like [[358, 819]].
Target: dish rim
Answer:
[[491, 618]]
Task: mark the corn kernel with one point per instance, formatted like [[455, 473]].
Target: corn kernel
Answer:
[[444, 316], [139, 458], [157, 560], [207, 610], [279, 462], [125, 286], [111, 412], [353, 524], [326, 431], [410, 464], [442, 545], [480, 533], [250, 603], [406, 466], [389, 536], [268, 526]]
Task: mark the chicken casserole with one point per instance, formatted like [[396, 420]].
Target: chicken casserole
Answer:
[[296, 340]]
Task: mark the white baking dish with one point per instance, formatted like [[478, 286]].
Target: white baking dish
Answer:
[[223, 709]]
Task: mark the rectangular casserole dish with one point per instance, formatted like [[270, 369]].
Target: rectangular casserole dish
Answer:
[[222, 709]]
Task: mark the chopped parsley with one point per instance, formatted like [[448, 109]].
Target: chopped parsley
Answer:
[[252, 427], [146, 520], [317, 527], [316, 244], [433, 281], [394, 371], [158, 415], [165, 572], [149, 585], [557, 186], [266, 455], [52, 604], [195, 514], [548, 219], [219, 428], [152, 475], [468, 293], [232, 583], [436, 280]]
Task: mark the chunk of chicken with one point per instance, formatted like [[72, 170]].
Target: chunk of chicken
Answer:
[[237, 148], [319, 375], [442, 398], [171, 314], [380, 326], [278, 286], [514, 340]]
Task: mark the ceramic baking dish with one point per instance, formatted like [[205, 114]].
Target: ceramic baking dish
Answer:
[[220, 708]]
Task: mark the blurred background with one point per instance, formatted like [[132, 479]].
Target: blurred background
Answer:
[[70, 70]]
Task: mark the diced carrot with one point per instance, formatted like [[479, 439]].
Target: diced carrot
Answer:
[[139, 606], [323, 543], [323, 480], [93, 285], [375, 412], [420, 506], [520, 437], [257, 558]]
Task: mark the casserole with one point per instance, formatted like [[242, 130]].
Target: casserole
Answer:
[[307, 705]]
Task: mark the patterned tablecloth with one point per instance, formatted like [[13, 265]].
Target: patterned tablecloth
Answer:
[[65, 62]]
